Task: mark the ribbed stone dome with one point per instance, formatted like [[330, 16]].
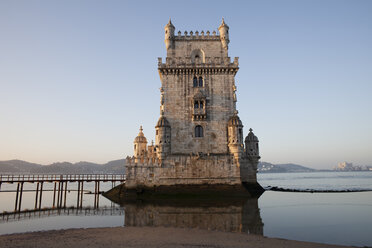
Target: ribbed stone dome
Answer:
[[235, 121], [141, 137], [251, 136], [162, 122]]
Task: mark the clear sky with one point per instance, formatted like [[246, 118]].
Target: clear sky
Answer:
[[78, 78]]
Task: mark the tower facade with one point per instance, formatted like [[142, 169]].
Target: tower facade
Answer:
[[199, 135]]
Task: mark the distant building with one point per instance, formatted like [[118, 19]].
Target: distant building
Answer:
[[199, 135], [345, 166]]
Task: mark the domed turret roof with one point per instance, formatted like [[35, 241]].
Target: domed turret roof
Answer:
[[235, 121], [141, 137], [162, 122], [169, 24], [251, 136], [223, 24]]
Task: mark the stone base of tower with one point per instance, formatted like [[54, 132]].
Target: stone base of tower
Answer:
[[209, 175], [123, 193]]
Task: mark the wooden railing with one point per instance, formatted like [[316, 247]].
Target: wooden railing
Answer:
[[10, 178]]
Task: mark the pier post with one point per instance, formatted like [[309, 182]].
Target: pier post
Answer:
[[78, 194], [61, 193], [64, 205], [95, 194], [41, 194], [37, 194], [54, 194], [16, 201], [81, 192], [98, 194], [58, 189], [20, 197]]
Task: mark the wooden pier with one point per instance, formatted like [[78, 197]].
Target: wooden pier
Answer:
[[60, 186]]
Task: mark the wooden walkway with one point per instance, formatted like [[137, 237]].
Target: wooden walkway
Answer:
[[60, 186]]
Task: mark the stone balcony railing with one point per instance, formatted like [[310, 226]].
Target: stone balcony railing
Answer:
[[210, 62]]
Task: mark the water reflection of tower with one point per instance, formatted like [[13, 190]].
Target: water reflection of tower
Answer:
[[232, 215], [251, 218]]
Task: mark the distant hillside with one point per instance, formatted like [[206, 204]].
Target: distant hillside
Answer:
[[18, 166], [113, 167], [277, 168]]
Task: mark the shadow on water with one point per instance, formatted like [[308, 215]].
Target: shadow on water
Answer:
[[229, 215]]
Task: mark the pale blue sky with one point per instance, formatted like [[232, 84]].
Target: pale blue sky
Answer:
[[77, 78]]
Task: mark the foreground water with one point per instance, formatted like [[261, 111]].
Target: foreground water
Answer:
[[335, 218]]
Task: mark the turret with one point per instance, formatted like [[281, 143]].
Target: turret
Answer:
[[235, 136], [162, 137], [251, 146], [169, 35], [224, 34], [140, 146]]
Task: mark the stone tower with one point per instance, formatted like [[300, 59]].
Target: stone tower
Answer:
[[199, 135]]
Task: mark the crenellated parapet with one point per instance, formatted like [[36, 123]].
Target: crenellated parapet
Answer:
[[143, 161], [202, 36]]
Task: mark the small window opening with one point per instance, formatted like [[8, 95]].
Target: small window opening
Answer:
[[196, 104], [201, 105], [198, 131], [200, 82], [195, 82]]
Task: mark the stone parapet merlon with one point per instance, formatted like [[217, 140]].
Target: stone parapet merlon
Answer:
[[207, 36], [143, 161]]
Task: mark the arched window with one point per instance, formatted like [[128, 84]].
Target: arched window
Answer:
[[198, 131], [200, 82], [195, 82], [196, 104], [201, 105]]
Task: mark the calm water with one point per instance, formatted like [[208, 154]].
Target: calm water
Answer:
[[335, 218]]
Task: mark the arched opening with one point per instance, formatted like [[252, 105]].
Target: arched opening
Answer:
[[200, 82], [197, 55], [195, 82], [198, 131]]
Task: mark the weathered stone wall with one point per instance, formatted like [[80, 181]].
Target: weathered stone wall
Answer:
[[191, 169], [184, 169], [178, 106]]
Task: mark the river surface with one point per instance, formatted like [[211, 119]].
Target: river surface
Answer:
[[334, 218]]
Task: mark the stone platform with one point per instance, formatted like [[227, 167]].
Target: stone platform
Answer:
[[201, 191]]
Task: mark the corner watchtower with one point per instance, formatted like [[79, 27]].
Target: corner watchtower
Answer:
[[169, 35], [224, 34]]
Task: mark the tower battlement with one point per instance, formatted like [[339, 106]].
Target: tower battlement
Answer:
[[207, 36]]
